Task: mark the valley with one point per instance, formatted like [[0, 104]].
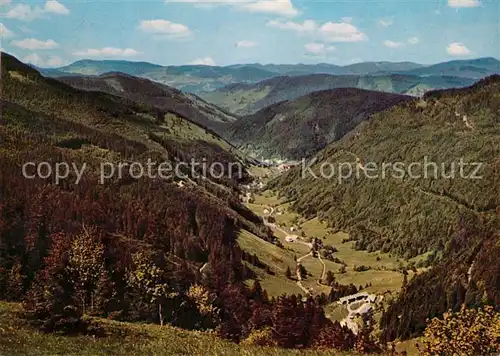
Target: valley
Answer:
[[267, 261], [381, 274], [310, 122]]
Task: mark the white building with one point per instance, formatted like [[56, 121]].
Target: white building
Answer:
[[363, 296]]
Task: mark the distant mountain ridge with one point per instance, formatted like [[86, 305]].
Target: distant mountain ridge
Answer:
[[473, 68], [326, 68], [198, 78], [245, 99], [189, 78]]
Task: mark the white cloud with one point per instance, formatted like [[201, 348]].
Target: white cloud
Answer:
[[328, 32], [26, 12], [308, 26], [413, 40], [341, 32], [5, 2], [386, 22], [463, 3], [392, 44], [33, 58], [346, 19], [318, 49], [206, 61], [34, 44], [164, 27], [107, 52], [246, 44], [56, 7], [5, 32], [457, 49], [277, 7]]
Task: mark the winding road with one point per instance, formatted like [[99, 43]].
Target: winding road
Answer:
[[348, 321], [324, 268], [299, 275], [309, 245]]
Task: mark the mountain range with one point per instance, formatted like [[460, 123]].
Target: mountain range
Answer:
[[199, 78], [86, 258], [244, 99]]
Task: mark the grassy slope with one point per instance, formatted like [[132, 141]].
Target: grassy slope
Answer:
[[17, 338], [411, 216], [241, 101]]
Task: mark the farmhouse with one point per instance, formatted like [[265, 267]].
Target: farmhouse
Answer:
[[363, 296]]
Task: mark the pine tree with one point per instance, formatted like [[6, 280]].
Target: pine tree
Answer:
[[52, 305], [330, 278], [104, 295]]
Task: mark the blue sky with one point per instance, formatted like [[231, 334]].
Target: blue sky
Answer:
[[222, 32]]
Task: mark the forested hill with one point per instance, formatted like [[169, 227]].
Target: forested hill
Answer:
[[410, 216], [453, 223], [299, 128], [134, 247], [133, 226], [144, 91]]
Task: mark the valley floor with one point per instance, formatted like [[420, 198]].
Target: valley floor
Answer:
[[383, 269], [383, 276]]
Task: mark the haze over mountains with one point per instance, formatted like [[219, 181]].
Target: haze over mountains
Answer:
[[199, 78]]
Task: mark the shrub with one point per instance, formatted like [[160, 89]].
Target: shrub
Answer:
[[362, 268], [261, 337], [467, 332]]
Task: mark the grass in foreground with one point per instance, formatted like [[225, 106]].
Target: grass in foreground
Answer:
[[18, 338]]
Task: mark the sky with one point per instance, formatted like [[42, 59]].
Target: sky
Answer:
[[54, 33]]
